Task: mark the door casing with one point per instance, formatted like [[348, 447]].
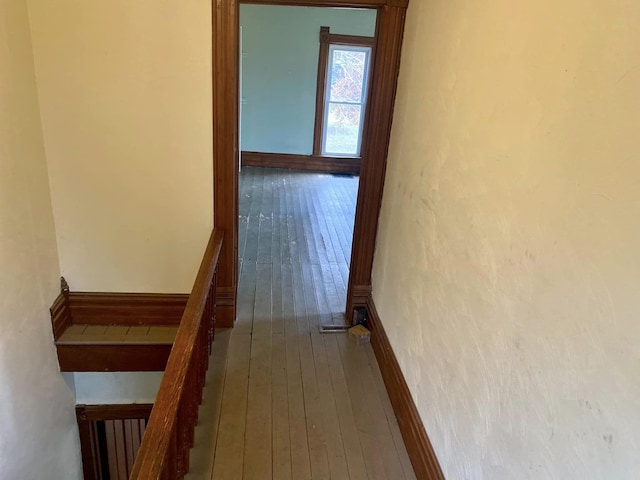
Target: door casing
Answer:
[[375, 144]]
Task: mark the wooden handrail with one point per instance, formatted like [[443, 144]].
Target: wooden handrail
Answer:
[[164, 451]]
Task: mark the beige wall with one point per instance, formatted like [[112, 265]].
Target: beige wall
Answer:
[[125, 95], [38, 433], [508, 263]]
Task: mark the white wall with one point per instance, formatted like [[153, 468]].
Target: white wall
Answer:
[[38, 432], [280, 47], [125, 94], [508, 261], [116, 387]]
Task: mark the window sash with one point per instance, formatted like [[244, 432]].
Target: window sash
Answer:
[[327, 97]]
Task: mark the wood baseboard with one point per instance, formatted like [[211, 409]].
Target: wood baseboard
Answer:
[[225, 316], [225, 307], [314, 163], [423, 458]]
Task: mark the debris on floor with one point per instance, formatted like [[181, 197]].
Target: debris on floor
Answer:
[[360, 334]]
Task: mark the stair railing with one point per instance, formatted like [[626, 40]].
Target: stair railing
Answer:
[[164, 451]]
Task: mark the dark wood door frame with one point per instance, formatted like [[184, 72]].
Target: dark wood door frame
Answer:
[[377, 130]]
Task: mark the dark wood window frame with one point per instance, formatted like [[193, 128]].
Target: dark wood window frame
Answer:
[[326, 40]]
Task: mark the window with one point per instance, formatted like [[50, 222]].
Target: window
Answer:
[[343, 72]]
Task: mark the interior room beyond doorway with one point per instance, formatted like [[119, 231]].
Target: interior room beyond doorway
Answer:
[[303, 93], [295, 246]]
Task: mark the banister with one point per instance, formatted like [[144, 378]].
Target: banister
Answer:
[[165, 445]]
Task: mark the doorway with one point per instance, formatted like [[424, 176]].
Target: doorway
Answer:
[[304, 84], [376, 132]]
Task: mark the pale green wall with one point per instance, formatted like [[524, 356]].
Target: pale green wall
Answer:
[[280, 67]]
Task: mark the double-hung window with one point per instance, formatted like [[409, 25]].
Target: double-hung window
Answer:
[[343, 74]]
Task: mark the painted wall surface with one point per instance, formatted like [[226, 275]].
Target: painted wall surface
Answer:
[[508, 262], [125, 95], [38, 432], [116, 387], [280, 48]]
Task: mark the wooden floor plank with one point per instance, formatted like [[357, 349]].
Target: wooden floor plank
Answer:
[[246, 297], [407, 468], [381, 429], [262, 304], [258, 436], [158, 334], [117, 330], [265, 237], [371, 447], [95, 330], [300, 306], [206, 433], [324, 308], [138, 330], [229, 455], [277, 313], [115, 335], [287, 300], [313, 411], [276, 216], [330, 419], [280, 409], [346, 417], [298, 435], [310, 299], [294, 404]]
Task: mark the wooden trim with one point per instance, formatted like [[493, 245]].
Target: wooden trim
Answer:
[[116, 411], [361, 294], [398, 3], [61, 311], [225, 63], [164, 452], [323, 59], [113, 358], [423, 458], [357, 40], [122, 309], [377, 133], [311, 163], [89, 448], [225, 307], [127, 308], [87, 416]]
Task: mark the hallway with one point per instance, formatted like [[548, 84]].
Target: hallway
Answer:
[[282, 400]]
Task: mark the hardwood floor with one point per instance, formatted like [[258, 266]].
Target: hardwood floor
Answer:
[[282, 400], [296, 227]]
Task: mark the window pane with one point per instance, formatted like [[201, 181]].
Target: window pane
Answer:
[[343, 125], [347, 75]]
